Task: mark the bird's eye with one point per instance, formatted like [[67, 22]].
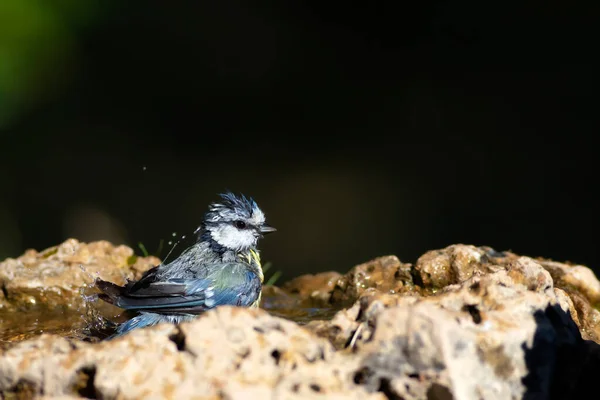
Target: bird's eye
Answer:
[[240, 224]]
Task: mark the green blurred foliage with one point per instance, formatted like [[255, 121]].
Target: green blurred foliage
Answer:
[[37, 38]]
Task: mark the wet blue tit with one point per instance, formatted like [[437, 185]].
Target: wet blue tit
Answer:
[[222, 268]]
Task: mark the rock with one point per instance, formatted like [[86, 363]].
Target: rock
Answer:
[[226, 353], [586, 317], [583, 289], [463, 322], [54, 277], [384, 274], [455, 264], [575, 277], [340, 328], [317, 287], [501, 330], [483, 339]]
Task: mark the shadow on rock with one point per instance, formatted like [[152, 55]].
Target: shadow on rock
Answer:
[[559, 352]]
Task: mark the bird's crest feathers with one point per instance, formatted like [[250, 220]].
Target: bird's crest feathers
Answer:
[[233, 207]]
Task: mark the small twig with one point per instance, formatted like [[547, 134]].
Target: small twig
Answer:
[[355, 336]]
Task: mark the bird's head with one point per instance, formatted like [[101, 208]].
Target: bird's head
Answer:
[[235, 223]]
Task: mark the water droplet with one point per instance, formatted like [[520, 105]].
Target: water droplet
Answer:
[[144, 168], [169, 242], [183, 237]]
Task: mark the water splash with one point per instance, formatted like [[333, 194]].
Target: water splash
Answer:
[[175, 245], [94, 325]]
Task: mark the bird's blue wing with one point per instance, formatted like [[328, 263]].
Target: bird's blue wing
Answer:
[[228, 285]]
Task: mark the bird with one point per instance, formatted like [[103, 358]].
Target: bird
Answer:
[[222, 267]]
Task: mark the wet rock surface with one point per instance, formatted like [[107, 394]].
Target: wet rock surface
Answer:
[[381, 275], [53, 278], [462, 322]]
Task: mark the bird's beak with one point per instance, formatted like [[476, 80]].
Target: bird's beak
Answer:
[[264, 229]]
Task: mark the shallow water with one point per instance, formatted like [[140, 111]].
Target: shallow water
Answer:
[[18, 326], [295, 309], [96, 320]]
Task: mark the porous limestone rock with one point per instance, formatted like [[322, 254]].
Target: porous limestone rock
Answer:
[[316, 287], [53, 277], [382, 275], [226, 353], [462, 322]]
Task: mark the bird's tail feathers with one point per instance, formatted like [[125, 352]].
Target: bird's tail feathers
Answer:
[[110, 291]]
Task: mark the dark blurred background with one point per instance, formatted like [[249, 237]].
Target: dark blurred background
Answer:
[[361, 129]]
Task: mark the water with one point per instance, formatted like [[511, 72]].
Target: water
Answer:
[[95, 320], [91, 322], [295, 309]]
